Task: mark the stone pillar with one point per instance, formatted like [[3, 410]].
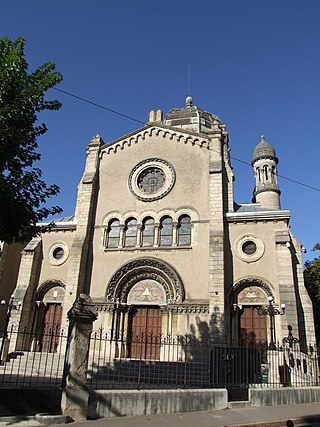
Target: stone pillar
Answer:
[[156, 234], [75, 395], [121, 236], [175, 234], [139, 236]]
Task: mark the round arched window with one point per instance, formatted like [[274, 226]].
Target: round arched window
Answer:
[[249, 247], [58, 253]]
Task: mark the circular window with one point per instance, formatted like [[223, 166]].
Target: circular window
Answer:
[[249, 247], [151, 179], [58, 253]]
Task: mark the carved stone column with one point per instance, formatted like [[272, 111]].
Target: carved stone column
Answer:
[[175, 234], [139, 236], [75, 394], [156, 234]]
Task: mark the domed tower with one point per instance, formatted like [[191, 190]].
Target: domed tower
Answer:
[[192, 118], [264, 164]]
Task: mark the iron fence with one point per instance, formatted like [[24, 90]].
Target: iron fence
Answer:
[[138, 361], [141, 361], [32, 360]]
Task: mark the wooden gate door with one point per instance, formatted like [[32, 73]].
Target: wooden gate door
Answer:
[[145, 337], [51, 330], [253, 326]]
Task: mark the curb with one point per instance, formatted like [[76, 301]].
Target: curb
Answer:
[[291, 422]]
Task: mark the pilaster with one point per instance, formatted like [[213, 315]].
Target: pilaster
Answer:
[[84, 214], [216, 238], [286, 285]]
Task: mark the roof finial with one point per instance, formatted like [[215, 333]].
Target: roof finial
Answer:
[[262, 137], [188, 101]]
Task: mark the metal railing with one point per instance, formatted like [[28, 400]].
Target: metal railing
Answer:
[[147, 361], [33, 360], [140, 361]]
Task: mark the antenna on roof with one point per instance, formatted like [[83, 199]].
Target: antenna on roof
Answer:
[[189, 86]]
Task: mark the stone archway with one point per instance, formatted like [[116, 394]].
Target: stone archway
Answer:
[[140, 269], [139, 290]]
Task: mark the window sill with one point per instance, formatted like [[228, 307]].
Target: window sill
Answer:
[[150, 248]]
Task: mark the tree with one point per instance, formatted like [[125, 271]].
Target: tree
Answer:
[[23, 193], [312, 282]]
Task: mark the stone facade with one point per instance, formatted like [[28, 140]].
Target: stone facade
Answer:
[[160, 245]]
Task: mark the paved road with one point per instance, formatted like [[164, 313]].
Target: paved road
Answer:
[[302, 415]]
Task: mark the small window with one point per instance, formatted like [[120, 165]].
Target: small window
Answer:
[[113, 234], [249, 247], [148, 232], [166, 231], [131, 229], [184, 231], [58, 253]]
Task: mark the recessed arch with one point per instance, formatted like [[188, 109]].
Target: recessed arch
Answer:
[[46, 286], [145, 268], [248, 282]]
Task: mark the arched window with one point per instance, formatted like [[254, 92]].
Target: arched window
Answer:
[[184, 231], [148, 232], [113, 234], [166, 231], [130, 233], [265, 168], [259, 174]]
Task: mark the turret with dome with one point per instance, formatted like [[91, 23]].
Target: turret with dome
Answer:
[[264, 163]]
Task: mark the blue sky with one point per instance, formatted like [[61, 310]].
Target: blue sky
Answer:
[[255, 64]]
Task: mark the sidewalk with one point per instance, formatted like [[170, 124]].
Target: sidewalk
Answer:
[[270, 416]]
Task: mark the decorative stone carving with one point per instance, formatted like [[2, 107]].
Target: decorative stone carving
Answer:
[[83, 310], [140, 269], [252, 295], [147, 292], [187, 308], [245, 283]]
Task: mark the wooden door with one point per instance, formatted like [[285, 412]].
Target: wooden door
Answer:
[[51, 329], [253, 326], [145, 334]]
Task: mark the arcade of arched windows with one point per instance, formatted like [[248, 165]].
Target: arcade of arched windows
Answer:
[[148, 233], [266, 173]]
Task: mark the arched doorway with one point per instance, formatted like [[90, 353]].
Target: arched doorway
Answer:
[[139, 291], [253, 326], [48, 316], [248, 326]]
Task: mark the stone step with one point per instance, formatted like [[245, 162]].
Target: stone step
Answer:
[[239, 404]]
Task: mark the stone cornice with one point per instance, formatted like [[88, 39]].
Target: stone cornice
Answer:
[[195, 139], [258, 216]]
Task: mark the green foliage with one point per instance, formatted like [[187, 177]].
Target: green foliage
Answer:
[[312, 282], [22, 96]]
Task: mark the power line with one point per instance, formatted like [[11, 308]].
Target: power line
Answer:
[[210, 149], [278, 175], [98, 105]]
